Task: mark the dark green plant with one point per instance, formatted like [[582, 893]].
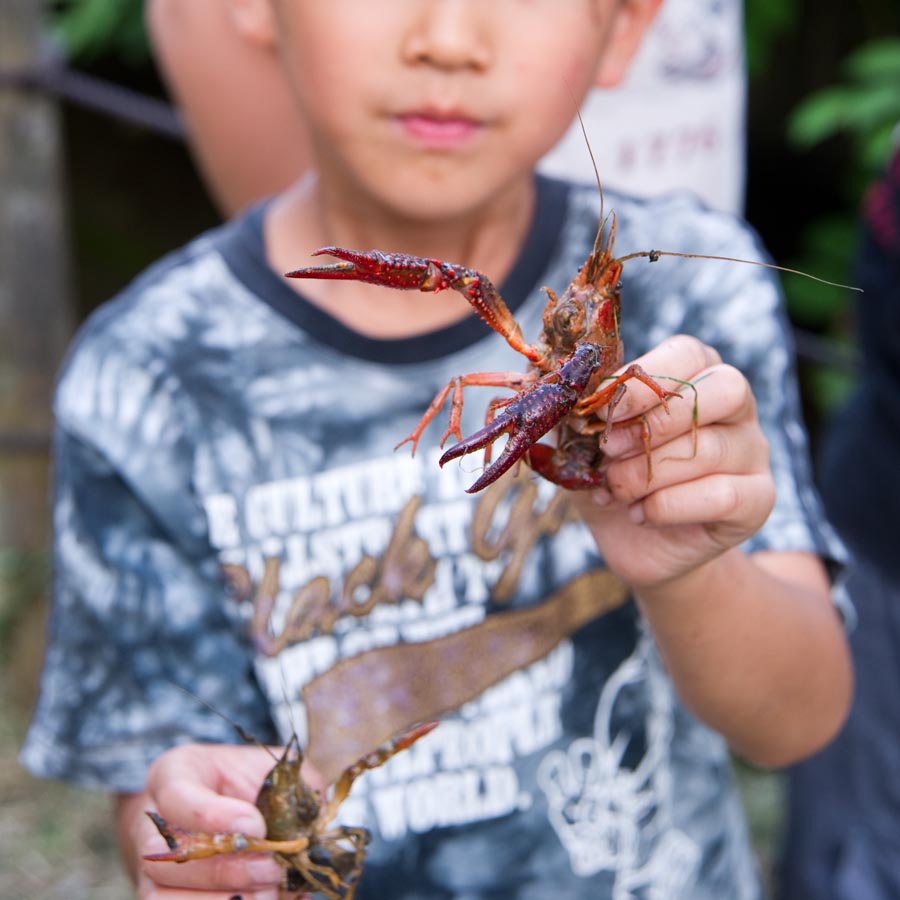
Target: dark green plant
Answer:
[[764, 22], [865, 107], [89, 29]]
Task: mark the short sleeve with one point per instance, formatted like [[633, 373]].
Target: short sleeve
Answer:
[[137, 612]]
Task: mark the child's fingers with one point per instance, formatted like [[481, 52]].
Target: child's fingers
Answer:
[[681, 358], [256, 875], [231, 774], [195, 787], [224, 872], [190, 788], [150, 890], [720, 449], [719, 395], [234, 872], [717, 502], [198, 808]]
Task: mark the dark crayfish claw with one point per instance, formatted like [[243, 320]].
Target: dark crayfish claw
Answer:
[[502, 424], [531, 414]]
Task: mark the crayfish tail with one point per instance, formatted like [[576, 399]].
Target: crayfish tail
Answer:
[[573, 477]]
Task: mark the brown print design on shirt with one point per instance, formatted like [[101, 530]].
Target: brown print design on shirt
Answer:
[[361, 702]]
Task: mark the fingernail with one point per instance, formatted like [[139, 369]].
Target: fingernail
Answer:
[[636, 513], [602, 497]]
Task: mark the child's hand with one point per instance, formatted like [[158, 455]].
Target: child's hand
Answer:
[[210, 788], [696, 506]]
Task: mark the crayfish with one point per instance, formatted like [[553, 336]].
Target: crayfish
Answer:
[[317, 855], [570, 375]]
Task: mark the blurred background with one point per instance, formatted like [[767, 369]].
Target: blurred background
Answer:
[[96, 183]]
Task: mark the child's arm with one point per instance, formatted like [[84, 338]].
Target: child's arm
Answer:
[[753, 643], [199, 787]]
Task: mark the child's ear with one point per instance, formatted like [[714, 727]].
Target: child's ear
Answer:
[[253, 19], [630, 22]]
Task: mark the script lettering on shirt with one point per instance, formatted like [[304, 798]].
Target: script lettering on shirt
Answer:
[[507, 521]]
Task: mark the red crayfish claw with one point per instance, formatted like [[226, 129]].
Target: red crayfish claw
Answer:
[[395, 270], [420, 273]]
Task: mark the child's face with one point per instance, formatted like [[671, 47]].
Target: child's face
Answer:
[[431, 108]]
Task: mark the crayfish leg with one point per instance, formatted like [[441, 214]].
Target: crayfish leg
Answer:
[[433, 409], [397, 270], [187, 845], [378, 757], [515, 381], [605, 394], [604, 427], [346, 864], [612, 393]]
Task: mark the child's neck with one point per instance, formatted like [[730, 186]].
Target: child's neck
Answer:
[[302, 220]]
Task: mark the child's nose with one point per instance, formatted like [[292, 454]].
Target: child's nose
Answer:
[[450, 34]]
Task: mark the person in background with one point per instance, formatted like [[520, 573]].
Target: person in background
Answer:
[[677, 120], [843, 831]]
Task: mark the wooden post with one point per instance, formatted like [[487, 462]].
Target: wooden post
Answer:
[[35, 310]]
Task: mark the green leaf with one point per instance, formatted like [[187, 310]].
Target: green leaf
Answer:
[[764, 21], [871, 107], [877, 147], [875, 61], [820, 116], [831, 388], [829, 244], [88, 29]]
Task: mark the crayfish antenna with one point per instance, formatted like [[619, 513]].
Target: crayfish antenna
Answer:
[[654, 255], [598, 241], [242, 732]]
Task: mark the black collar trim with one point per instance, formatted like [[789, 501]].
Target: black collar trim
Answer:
[[243, 251]]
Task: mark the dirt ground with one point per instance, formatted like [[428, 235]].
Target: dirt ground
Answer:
[[55, 841]]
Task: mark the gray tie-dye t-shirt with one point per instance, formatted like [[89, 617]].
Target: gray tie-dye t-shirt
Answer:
[[231, 516]]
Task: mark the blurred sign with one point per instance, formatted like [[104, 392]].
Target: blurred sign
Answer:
[[678, 119]]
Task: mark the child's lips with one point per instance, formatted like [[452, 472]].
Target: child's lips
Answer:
[[439, 131]]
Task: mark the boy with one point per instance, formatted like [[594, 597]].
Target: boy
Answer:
[[217, 427], [677, 121]]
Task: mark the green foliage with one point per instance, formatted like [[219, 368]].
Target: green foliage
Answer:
[[832, 387], [828, 246], [864, 110], [89, 29], [764, 22], [866, 107]]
